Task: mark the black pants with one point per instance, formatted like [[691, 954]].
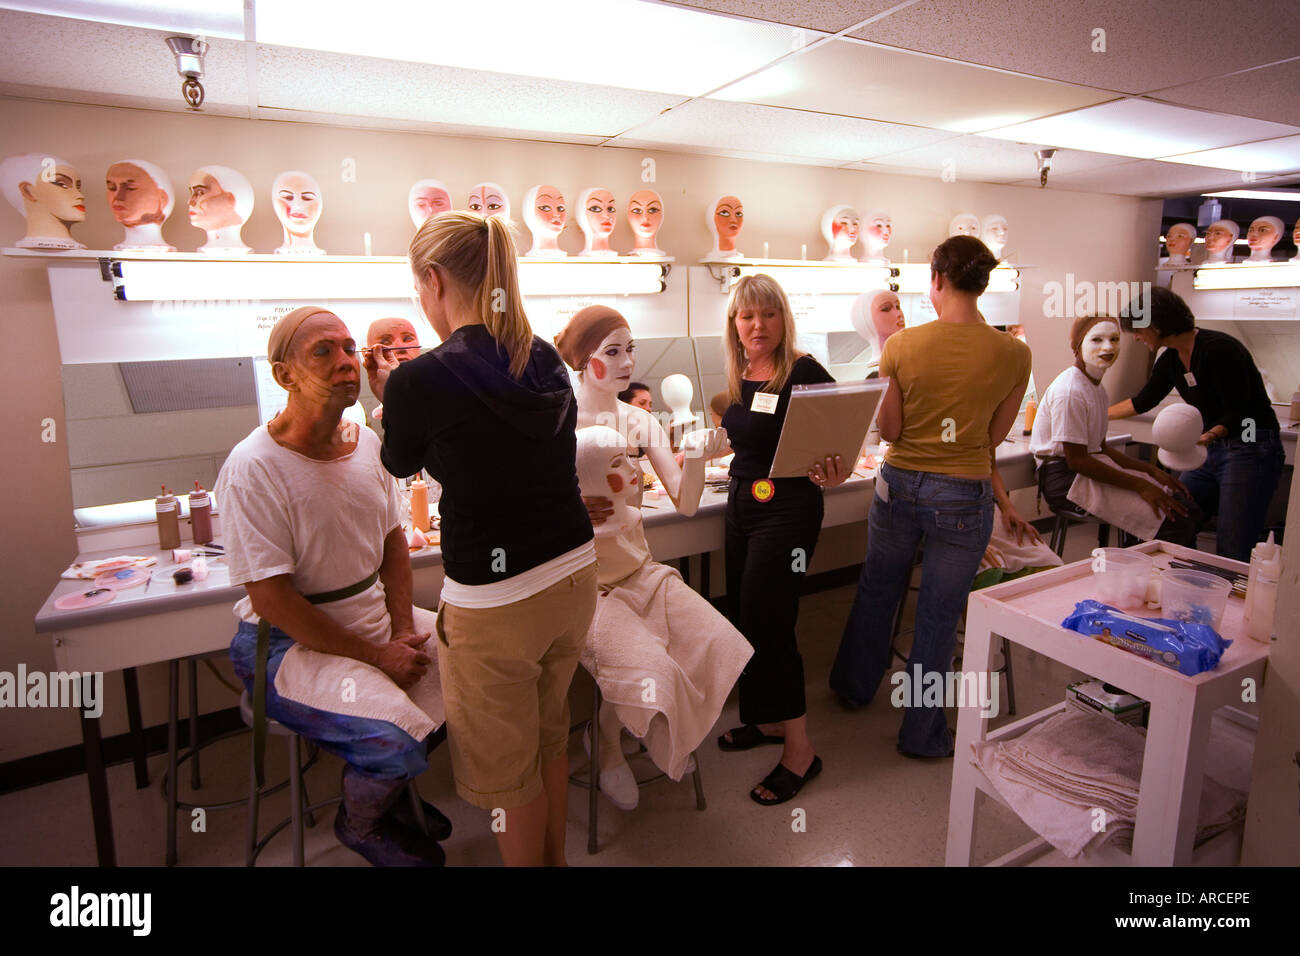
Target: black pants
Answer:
[[1055, 478], [769, 547]]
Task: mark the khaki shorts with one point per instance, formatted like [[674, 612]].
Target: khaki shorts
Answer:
[[505, 683]]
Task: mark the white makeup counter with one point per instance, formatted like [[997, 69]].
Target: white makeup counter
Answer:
[[166, 622]]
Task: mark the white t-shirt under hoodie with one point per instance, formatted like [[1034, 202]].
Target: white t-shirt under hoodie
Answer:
[[324, 522], [1073, 410]]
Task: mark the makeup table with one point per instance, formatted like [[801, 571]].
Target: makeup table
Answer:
[[171, 623]]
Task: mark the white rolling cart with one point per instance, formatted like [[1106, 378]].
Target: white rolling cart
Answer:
[[1028, 611]]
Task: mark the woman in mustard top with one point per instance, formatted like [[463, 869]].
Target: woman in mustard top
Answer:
[[955, 389]]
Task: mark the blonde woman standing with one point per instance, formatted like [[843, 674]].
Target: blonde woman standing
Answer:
[[518, 551], [771, 530]]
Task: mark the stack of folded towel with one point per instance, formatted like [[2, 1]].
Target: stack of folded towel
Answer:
[[1059, 774]]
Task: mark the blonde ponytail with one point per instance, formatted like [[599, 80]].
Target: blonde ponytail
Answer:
[[480, 256]]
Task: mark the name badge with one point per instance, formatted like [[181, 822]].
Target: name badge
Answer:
[[1190, 379], [765, 402]]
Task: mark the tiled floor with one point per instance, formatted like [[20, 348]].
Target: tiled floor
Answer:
[[869, 807]]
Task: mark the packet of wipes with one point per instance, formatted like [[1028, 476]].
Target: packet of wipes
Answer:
[[1187, 647]]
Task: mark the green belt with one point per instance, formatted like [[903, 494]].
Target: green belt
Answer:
[[259, 672]]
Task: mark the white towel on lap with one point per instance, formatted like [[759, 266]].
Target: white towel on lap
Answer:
[[665, 659], [1116, 506]]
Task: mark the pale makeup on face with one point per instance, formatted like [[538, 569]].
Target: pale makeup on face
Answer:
[[622, 477], [998, 232], [60, 192], [1100, 348], [845, 226], [881, 228], [965, 226], [612, 364], [134, 197], [297, 204]]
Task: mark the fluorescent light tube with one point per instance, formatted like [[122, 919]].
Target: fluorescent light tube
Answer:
[[831, 279], [1245, 276]]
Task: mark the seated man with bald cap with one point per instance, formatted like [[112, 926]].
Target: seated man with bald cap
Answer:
[[328, 637]]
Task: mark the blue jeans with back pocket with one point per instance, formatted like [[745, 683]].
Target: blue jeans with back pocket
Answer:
[[952, 519]]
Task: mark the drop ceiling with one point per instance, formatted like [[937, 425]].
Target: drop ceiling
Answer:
[[1139, 97]]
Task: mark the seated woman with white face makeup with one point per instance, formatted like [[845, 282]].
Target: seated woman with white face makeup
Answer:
[[650, 626], [1069, 438]]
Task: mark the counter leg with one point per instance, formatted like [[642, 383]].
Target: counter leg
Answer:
[[100, 812], [192, 666], [173, 771], [977, 657], [705, 568], [139, 754], [1169, 795]]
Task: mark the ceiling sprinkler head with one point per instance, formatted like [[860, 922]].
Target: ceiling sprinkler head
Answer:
[[1044, 157], [189, 53]]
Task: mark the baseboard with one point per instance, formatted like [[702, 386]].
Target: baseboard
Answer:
[[70, 761]]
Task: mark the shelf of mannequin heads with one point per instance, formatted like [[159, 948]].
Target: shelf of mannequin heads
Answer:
[[1219, 285]]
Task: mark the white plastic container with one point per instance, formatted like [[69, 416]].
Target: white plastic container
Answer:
[[1194, 596], [1120, 577]]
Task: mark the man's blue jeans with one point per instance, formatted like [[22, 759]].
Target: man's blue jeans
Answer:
[[1237, 483], [953, 519]]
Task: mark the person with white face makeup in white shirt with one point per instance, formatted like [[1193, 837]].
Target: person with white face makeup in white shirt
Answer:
[[1069, 438]]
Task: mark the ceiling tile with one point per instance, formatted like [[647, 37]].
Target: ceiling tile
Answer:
[[830, 16], [991, 160], [418, 126], [1144, 178], [759, 157], [290, 79], [1150, 44], [1268, 93], [1142, 129], [1271, 156], [102, 59], [852, 78], [765, 129]]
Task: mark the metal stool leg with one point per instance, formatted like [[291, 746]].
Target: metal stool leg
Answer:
[[192, 666], [1011, 686], [173, 705], [253, 795], [295, 799], [1103, 535], [593, 783], [139, 755], [699, 784]]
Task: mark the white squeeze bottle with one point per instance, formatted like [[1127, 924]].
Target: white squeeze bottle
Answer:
[[1261, 590]]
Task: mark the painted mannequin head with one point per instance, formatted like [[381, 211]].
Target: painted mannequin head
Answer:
[[47, 191], [221, 200], [297, 201], [1264, 233], [645, 214], [395, 333], [726, 217], [877, 230], [141, 198], [840, 228], [993, 232], [596, 219], [964, 224], [876, 316], [1178, 240], [1295, 238], [546, 214], [606, 471], [1219, 239], [426, 198], [1095, 341], [489, 199]]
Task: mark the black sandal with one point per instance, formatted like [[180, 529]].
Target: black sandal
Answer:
[[785, 783], [747, 738]]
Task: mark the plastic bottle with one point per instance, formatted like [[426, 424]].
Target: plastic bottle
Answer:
[[1261, 593], [420, 504], [1031, 411], [1295, 408], [200, 515], [169, 524]]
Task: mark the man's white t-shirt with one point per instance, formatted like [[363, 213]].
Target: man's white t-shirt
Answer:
[[1072, 409], [324, 522]]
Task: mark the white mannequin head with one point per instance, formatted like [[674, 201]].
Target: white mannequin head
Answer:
[[1095, 341], [840, 228], [677, 392], [1178, 240], [993, 233], [426, 198], [296, 198], [605, 471], [221, 200], [1176, 431], [141, 198], [1264, 233], [597, 218], [877, 230], [725, 217], [1219, 239], [46, 190], [489, 199], [876, 316], [645, 214], [546, 214], [964, 224]]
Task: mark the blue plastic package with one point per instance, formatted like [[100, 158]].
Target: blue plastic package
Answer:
[[1186, 646]]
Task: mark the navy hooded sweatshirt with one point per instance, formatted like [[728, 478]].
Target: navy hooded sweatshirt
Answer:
[[504, 452]]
